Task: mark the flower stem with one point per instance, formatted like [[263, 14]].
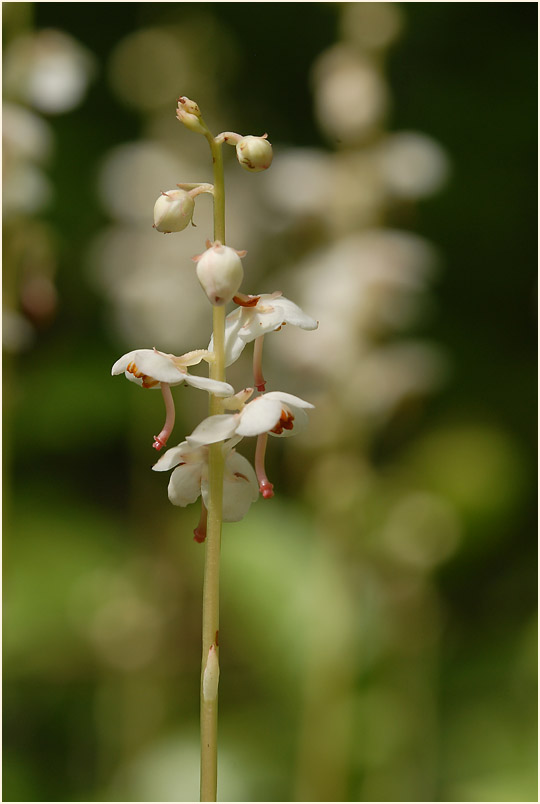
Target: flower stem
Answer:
[[210, 615]]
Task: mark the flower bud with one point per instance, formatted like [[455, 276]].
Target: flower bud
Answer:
[[254, 153], [173, 211], [189, 114], [220, 272]]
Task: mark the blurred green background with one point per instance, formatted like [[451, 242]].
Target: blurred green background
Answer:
[[379, 614]]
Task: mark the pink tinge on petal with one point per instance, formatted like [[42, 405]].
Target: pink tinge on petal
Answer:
[[200, 530], [265, 487]]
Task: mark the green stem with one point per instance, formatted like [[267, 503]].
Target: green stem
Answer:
[[210, 616]]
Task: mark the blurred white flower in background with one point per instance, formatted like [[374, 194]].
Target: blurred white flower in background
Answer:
[[45, 72], [411, 165], [351, 96], [48, 70]]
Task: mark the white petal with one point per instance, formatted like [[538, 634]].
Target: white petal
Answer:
[[234, 345], [206, 384], [158, 366], [289, 399], [153, 364], [240, 488], [122, 363], [261, 323], [259, 416], [171, 458], [292, 314], [185, 484], [214, 428]]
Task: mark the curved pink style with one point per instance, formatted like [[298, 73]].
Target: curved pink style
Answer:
[[161, 439], [265, 487]]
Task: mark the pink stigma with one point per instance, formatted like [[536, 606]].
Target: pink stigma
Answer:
[[266, 488], [159, 443], [200, 530]]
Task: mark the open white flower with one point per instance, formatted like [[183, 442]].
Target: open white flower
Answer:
[[190, 479], [152, 369], [276, 413], [259, 315]]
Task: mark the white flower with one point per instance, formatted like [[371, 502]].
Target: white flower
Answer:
[[150, 368], [190, 479], [276, 413], [259, 315]]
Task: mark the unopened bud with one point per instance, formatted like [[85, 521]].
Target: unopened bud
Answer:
[[173, 211], [254, 153], [189, 106], [189, 114], [220, 272]]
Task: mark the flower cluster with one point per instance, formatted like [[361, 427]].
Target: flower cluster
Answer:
[[234, 416]]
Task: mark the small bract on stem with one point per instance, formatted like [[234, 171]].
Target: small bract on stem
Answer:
[[206, 464]]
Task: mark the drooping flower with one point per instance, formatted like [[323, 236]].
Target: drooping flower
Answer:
[[259, 315], [153, 369], [190, 479]]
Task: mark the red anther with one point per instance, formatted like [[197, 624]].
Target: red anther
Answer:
[[286, 422], [147, 381], [262, 386], [158, 443], [245, 301]]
